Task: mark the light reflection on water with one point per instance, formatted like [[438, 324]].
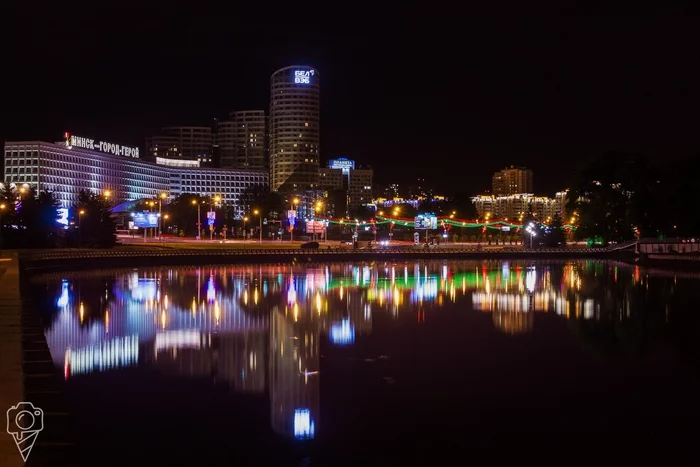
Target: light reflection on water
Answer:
[[223, 321]]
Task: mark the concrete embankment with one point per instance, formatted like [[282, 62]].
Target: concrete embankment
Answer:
[[65, 260], [11, 373]]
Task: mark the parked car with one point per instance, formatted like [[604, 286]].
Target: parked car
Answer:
[[310, 246]]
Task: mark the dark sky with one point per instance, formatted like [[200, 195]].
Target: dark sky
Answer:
[[450, 97]]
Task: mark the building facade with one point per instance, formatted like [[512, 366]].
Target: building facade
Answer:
[[359, 187], [66, 170], [242, 140], [182, 142], [515, 207], [330, 179], [512, 180], [294, 129], [229, 184]]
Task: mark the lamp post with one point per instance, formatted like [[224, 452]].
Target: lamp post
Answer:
[[245, 234], [199, 220], [295, 201], [160, 211], [259, 214], [80, 229], [216, 200], [2, 208], [318, 208], [530, 229]]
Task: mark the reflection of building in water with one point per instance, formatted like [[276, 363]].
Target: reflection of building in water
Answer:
[[237, 359], [220, 323], [513, 322], [294, 378], [106, 355]]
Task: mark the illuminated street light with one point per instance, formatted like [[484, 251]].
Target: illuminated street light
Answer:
[[2, 208], [259, 214], [245, 234], [107, 193], [530, 229], [199, 219]]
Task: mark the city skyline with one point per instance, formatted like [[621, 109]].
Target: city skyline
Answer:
[[541, 100]]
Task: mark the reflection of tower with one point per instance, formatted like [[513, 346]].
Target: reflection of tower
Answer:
[[294, 379]]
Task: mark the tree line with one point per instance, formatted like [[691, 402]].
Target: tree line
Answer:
[[32, 220], [620, 196]]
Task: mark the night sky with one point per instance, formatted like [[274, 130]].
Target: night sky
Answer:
[[450, 97]]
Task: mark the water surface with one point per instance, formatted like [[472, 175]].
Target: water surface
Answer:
[[361, 362]]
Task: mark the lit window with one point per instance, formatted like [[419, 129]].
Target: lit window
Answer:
[[306, 123]]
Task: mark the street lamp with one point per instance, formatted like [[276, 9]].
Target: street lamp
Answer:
[[245, 234], [295, 201], [216, 200], [530, 229], [319, 209], [107, 193], [2, 208], [259, 214], [199, 220], [160, 210], [80, 230]]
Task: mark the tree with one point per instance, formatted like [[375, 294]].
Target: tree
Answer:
[[614, 196], [8, 215], [270, 204], [554, 235], [37, 220], [96, 226]]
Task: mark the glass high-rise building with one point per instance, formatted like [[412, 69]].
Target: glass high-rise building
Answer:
[[294, 128]]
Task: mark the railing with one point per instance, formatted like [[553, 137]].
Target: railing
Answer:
[[418, 251]]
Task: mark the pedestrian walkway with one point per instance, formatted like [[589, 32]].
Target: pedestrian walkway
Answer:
[[11, 375]]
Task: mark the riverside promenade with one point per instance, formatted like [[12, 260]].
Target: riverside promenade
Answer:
[[164, 254], [11, 372]]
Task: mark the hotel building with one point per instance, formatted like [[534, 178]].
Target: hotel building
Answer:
[[294, 129], [83, 164]]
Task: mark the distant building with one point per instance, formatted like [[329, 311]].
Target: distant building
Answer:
[[242, 140], [512, 180], [294, 129], [85, 164], [515, 207], [341, 175], [182, 142], [331, 179], [359, 187]]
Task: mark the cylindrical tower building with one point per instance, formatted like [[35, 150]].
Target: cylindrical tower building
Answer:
[[294, 129]]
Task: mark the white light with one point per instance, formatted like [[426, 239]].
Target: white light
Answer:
[[304, 427]]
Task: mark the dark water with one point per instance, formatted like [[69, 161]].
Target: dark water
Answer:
[[362, 364]]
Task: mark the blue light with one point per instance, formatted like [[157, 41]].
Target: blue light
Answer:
[[343, 333], [62, 301], [304, 427], [303, 76], [211, 290], [146, 219], [62, 216]]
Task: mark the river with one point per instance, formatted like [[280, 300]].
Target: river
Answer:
[[362, 362]]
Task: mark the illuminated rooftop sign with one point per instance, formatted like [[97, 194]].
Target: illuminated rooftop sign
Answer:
[[303, 76], [73, 141], [341, 163]]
